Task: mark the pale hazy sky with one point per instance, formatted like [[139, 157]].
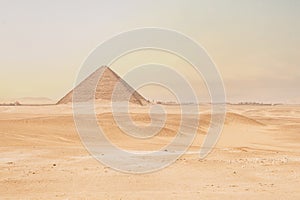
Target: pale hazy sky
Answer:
[[255, 43]]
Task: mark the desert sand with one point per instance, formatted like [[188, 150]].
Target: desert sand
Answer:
[[256, 157]]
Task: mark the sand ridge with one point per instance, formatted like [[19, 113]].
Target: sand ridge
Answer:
[[257, 156]]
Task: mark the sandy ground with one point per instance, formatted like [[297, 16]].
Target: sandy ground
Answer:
[[256, 157]]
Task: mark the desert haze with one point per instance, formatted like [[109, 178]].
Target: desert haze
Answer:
[[257, 156], [112, 100]]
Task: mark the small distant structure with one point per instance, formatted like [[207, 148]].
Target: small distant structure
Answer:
[[17, 103], [253, 104], [166, 102]]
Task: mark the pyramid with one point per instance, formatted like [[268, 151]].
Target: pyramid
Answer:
[[104, 89]]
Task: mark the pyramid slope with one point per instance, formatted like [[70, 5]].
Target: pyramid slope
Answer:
[[105, 87]]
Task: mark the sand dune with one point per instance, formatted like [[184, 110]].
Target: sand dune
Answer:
[[257, 156]]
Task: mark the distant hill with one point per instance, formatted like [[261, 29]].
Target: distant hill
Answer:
[[27, 100]]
